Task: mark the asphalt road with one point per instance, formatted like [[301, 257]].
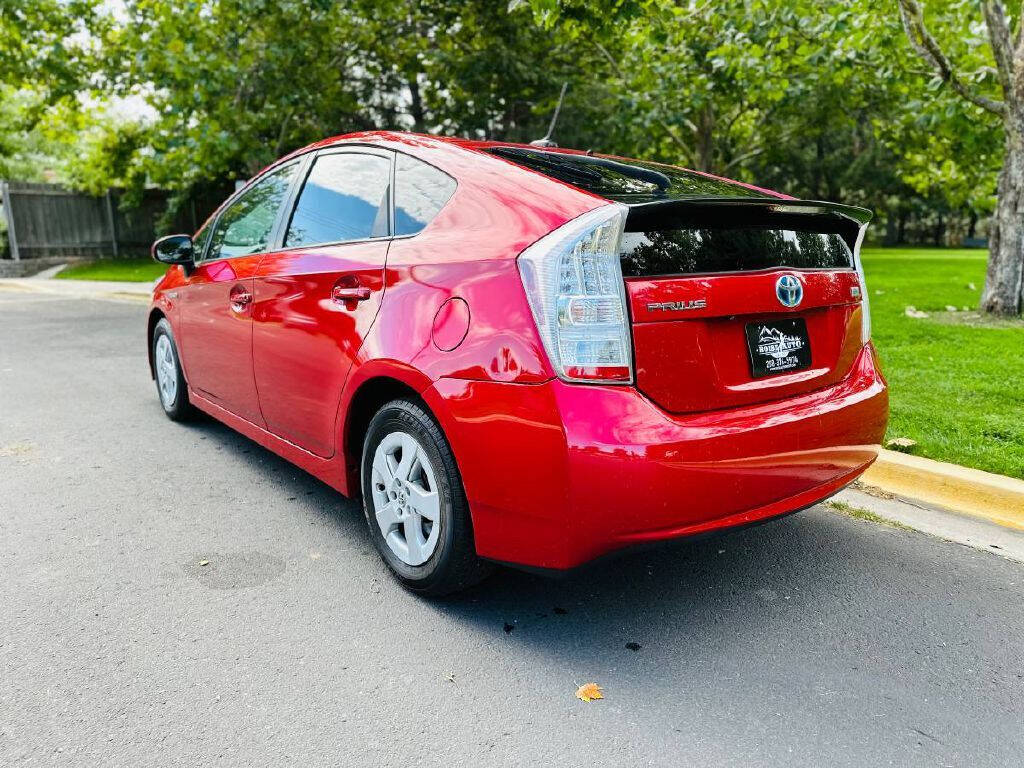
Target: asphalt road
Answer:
[[815, 640]]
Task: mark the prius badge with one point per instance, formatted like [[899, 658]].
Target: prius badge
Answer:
[[788, 291], [674, 306]]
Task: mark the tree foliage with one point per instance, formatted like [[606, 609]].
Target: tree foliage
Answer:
[[818, 99]]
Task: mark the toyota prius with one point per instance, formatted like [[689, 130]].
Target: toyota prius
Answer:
[[526, 355]]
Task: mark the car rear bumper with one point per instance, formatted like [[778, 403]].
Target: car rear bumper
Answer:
[[558, 474]]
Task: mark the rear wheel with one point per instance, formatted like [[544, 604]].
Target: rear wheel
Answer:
[[170, 381], [414, 502]]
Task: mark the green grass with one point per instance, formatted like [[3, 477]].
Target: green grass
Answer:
[[128, 270], [956, 380]]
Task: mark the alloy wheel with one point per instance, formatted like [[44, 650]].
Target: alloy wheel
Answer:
[[166, 370], [406, 502]]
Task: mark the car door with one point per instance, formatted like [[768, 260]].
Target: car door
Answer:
[[216, 303], [316, 297]]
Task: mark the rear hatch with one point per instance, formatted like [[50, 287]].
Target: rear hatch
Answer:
[[734, 303], [737, 295]]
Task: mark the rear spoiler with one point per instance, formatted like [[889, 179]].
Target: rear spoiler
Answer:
[[847, 221]]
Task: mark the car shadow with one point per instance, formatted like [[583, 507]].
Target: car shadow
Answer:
[[775, 581], [294, 482]]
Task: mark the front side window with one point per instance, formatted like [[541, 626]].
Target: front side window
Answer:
[[421, 191], [199, 241], [344, 198], [246, 225]]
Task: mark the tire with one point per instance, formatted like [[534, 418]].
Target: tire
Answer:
[[171, 389], [425, 560]]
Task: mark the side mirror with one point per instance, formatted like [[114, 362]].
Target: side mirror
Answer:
[[174, 249]]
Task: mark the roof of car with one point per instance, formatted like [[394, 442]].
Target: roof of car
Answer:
[[616, 178], [638, 183]]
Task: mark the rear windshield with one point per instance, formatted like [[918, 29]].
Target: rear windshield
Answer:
[[683, 222], [728, 239]]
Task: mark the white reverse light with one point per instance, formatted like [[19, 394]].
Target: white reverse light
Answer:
[[573, 281], [865, 308]]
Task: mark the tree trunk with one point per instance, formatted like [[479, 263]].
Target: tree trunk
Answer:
[[1002, 293], [820, 183], [419, 121], [890, 229], [972, 225], [706, 140]]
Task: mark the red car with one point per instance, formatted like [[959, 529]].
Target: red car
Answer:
[[526, 355]]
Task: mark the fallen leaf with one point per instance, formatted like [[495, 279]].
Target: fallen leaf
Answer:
[[950, 308], [972, 287], [204, 562], [589, 692], [912, 311], [903, 444], [314, 555], [509, 628], [633, 646]]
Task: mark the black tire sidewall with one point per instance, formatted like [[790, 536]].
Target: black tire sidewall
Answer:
[[404, 416]]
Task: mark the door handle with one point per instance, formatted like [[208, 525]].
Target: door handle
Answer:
[[240, 298], [346, 294]]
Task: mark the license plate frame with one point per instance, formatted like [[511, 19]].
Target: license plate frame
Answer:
[[776, 347]]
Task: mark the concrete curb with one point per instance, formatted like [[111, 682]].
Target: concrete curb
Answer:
[[995, 498]]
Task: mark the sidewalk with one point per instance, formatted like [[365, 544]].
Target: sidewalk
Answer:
[[79, 289]]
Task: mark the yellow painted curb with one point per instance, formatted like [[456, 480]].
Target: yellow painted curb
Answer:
[[995, 498], [124, 295]]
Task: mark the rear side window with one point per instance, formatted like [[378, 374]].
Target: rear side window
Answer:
[[731, 241], [421, 191], [345, 197]]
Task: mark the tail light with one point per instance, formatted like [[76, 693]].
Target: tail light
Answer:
[[573, 281], [865, 308]]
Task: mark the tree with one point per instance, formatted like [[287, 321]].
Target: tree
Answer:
[[47, 59], [1004, 291], [231, 85], [815, 99], [45, 43]]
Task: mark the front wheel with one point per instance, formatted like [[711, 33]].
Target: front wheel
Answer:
[[170, 381], [414, 502]]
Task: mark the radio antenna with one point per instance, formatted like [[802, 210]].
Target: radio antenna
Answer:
[[546, 141]]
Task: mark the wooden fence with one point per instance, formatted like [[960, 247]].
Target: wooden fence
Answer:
[[47, 220]]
